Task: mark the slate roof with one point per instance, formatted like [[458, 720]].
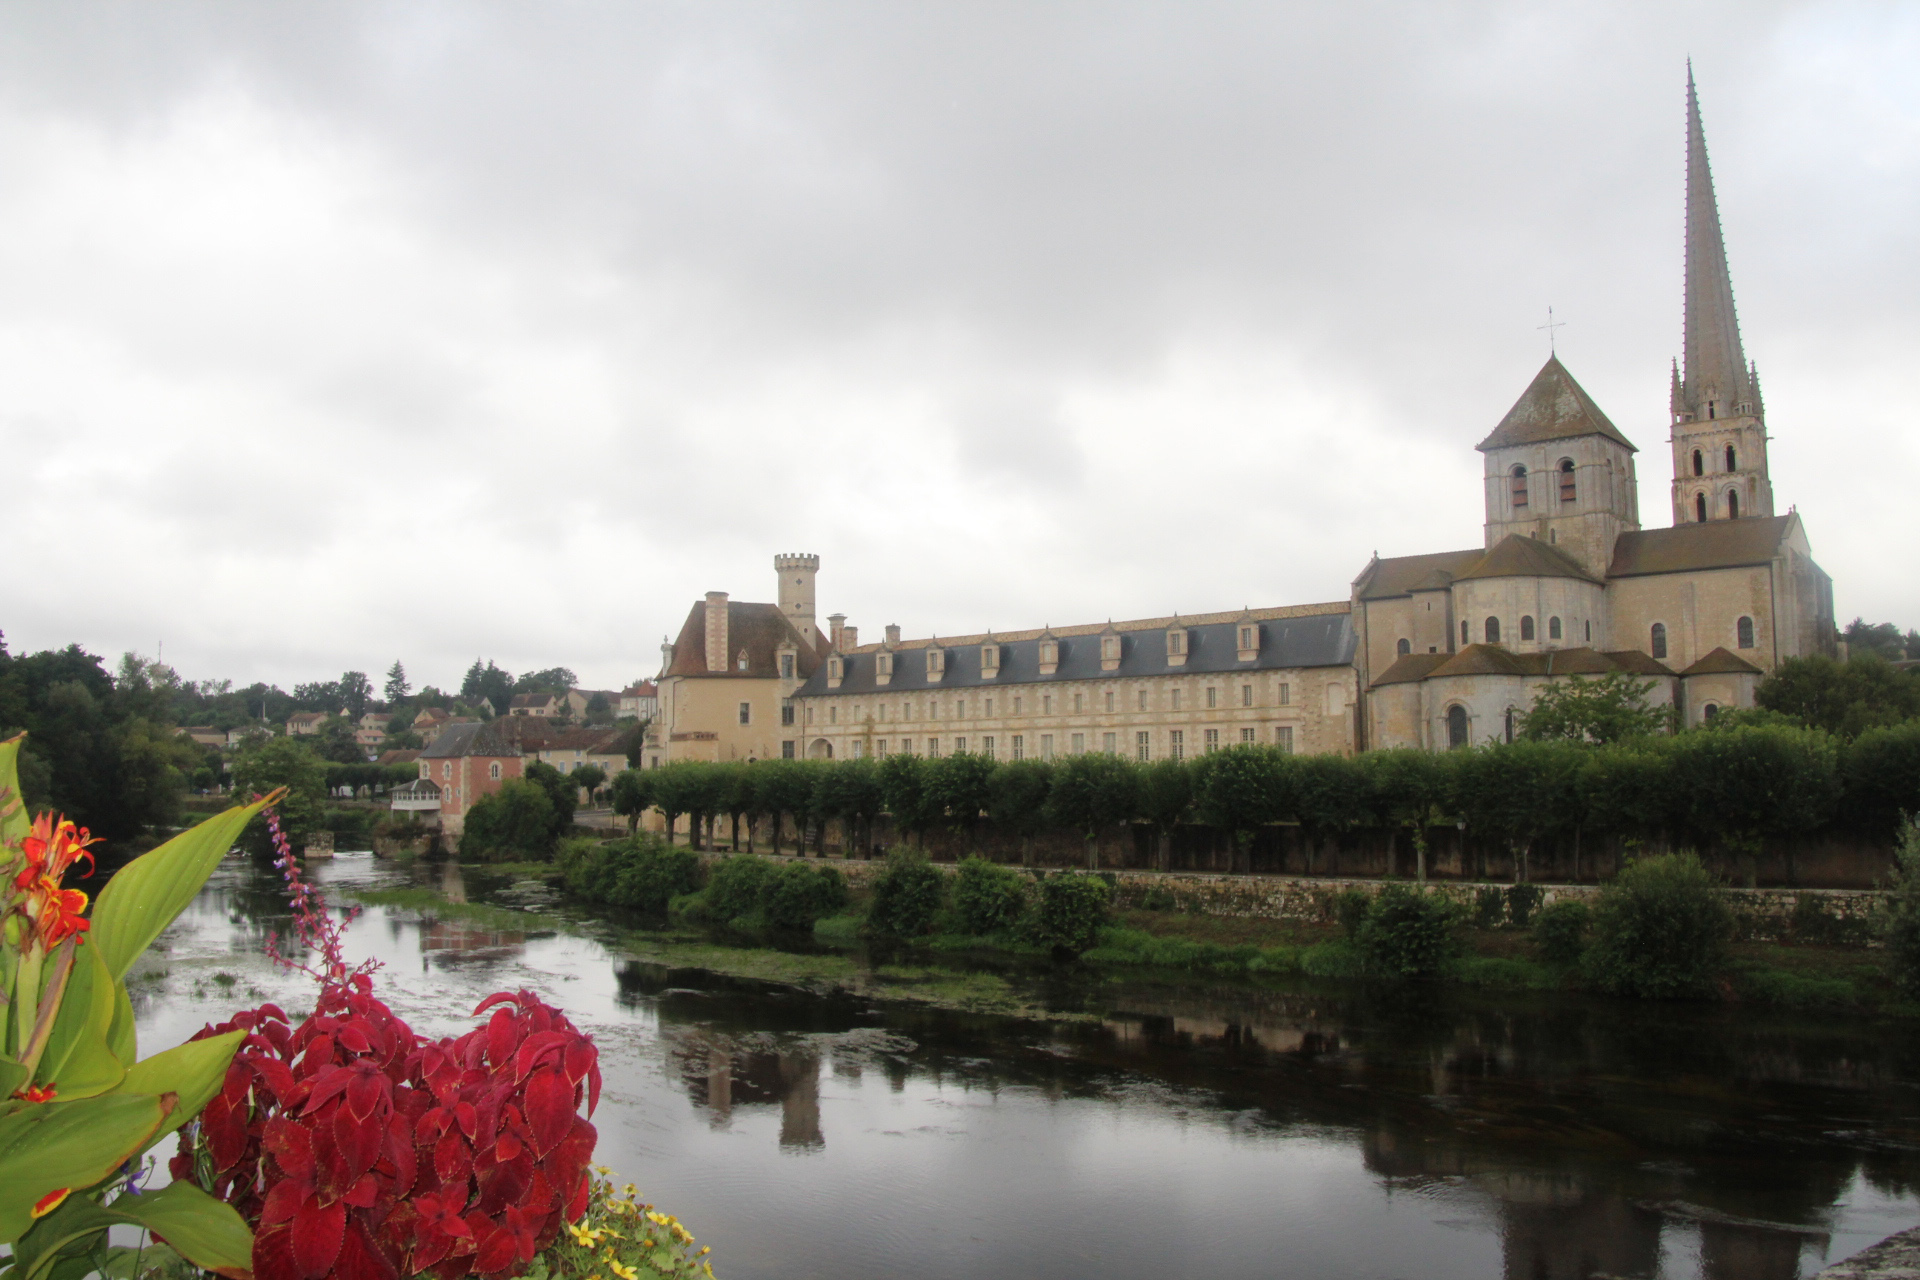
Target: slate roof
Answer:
[[1553, 407], [472, 739], [1297, 638], [1400, 575], [1719, 662], [1495, 660], [1685, 548], [1515, 556], [760, 629]]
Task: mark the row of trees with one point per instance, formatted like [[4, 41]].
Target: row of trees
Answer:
[[1726, 789]]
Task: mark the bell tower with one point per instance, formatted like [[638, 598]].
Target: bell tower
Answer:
[[1719, 424]]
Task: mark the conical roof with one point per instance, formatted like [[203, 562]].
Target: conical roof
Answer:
[[1713, 366], [1553, 407]]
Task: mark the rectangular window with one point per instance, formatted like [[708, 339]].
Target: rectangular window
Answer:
[[1283, 737], [933, 709], [1176, 699], [1019, 746], [906, 746], [1046, 746], [1143, 706], [960, 709], [1046, 704], [1213, 740], [1016, 704], [1077, 743], [809, 713], [1213, 697], [933, 747], [833, 715], [989, 710], [883, 712], [1143, 745], [1246, 695], [786, 750], [1249, 734], [1177, 743], [906, 711], [1077, 702], [786, 666], [880, 748], [857, 744], [786, 711], [1110, 743], [1286, 695], [1109, 699], [959, 746], [986, 747], [746, 713]]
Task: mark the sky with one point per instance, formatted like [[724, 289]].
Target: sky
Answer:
[[335, 334]]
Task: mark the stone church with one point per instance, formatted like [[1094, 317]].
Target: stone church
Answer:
[[1439, 650]]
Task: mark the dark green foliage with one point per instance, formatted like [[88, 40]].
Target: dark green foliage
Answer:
[[1350, 907], [489, 685], [1407, 788], [589, 778], [676, 789], [374, 777], [1627, 790], [642, 872], [785, 789], [800, 893], [1814, 924], [1070, 910], [1880, 779], [1166, 797], [1017, 799], [1660, 930], [988, 898], [1092, 791], [1522, 899], [903, 789], [1882, 638], [1489, 908], [1518, 793], [1408, 934], [954, 790], [562, 794], [851, 792], [1732, 790], [267, 763], [1611, 708], [736, 886], [1560, 932], [1900, 926], [632, 795], [906, 897], [513, 824], [1241, 788], [1843, 698]]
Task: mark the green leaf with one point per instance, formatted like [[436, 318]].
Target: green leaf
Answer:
[[145, 895], [193, 1072], [13, 1074], [14, 823], [121, 1042], [67, 1144], [209, 1233], [77, 1059]]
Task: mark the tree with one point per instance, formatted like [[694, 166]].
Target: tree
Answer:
[[903, 789], [589, 778], [266, 763], [632, 796], [488, 684], [1166, 800], [1092, 791], [674, 790], [1519, 792], [336, 741], [512, 824], [781, 789], [1745, 786], [552, 680], [318, 695], [1611, 708], [1242, 789], [1408, 789], [1880, 777], [1844, 698], [1331, 796], [599, 710], [397, 687], [562, 794], [1017, 800], [956, 789], [1881, 638], [356, 691]]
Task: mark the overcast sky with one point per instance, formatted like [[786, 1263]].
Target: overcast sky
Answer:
[[338, 333]]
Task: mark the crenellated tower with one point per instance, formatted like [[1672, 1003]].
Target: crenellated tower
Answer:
[[796, 572], [1719, 423]]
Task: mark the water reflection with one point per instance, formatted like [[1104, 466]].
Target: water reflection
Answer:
[[1229, 1130]]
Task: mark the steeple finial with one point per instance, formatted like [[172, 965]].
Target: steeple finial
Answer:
[[1714, 369]]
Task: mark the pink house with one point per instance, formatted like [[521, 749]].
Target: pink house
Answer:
[[468, 761]]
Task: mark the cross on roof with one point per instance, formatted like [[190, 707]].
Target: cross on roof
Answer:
[[1550, 326]]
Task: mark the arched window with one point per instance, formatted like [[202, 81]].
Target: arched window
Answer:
[[1509, 724], [493, 771], [1733, 505], [1519, 486], [1699, 464], [1743, 633], [1456, 727], [1658, 640], [1709, 711], [1730, 465], [1553, 628], [1566, 480], [1493, 631], [1700, 507], [1406, 647], [1526, 626]]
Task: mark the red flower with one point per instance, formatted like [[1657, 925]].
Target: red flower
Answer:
[[53, 914]]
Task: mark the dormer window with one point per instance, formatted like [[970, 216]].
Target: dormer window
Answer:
[[740, 661], [936, 663], [1110, 649], [836, 671], [989, 659], [883, 666], [1247, 635], [786, 666], [1049, 656], [1176, 646]]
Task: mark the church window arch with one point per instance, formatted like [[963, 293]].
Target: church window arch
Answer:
[[1743, 633], [1709, 711], [1493, 631], [1700, 507], [1733, 505], [1553, 628], [1730, 457], [1526, 626], [1699, 464], [1568, 486], [1517, 479], [1456, 727], [1405, 648], [1657, 640]]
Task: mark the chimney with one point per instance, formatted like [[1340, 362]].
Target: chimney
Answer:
[[893, 633], [850, 636], [716, 631], [836, 622]]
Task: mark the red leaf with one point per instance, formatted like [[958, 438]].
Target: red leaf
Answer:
[[507, 1148], [549, 1108], [284, 1199], [317, 1233], [358, 1142], [361, 1260], [580, 1057], [365, 1193], [577, 1203], [354, 1039], [500, 1037], [469, 1121], [452, 1159], [290, 1145], [273, 1254], [496, 1252], [367, 1089]]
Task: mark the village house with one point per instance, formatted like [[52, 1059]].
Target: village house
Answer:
[[304, 723], [465, 763], [639, 701]]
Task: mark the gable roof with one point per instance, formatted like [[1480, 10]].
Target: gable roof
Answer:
[[760, 629], [1718, 661], [1399, 575], [1515, 556], [471, 739], [1717, 544], [1553, 407]]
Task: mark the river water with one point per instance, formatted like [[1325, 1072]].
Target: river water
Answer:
[[1222, 1131]]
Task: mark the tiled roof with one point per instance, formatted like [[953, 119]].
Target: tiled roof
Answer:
[[1637, 663], [1553, 407], [1719, 662], [1515, 556], [1717, 544], [1411, 668], [1496, 660], [1398, 575], [760, 629], [471, 739], [1307, 636]]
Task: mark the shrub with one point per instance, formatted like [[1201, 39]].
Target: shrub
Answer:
[[906, 897], [988, 898], [735, 886], [1560, 932], [1522, 901], [1489, 908], [1071, 911], [1350, 907], [514, 824], [1660, 930], [1813, 923], [586, 866], [799, 893], [1408, 934], [1901, 923], [649, 873]]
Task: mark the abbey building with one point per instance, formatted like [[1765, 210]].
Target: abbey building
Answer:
[[1436, 650]]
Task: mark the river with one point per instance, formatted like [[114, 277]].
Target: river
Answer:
[[1220, 1130]]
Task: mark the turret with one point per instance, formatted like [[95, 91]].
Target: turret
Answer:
[[796, 573]]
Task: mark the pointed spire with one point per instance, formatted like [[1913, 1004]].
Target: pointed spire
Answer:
[[1715, 369]]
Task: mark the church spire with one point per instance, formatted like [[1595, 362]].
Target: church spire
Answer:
[[1715, 382]]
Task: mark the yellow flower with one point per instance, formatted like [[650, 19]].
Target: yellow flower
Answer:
[[582, 1235], [624, 1272]]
